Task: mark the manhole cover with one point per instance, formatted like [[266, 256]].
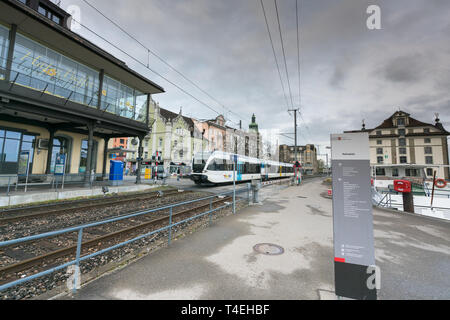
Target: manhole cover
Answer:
[[268, 248]]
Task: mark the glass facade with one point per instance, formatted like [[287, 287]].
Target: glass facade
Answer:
[[4, 44], [41, 68], [123, 101]]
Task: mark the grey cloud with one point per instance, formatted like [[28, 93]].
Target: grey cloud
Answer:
[[348, 72], [405, 69]]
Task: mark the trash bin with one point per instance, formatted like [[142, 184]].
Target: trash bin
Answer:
[[115, 173]]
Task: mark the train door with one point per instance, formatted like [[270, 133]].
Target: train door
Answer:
[[239, 171]]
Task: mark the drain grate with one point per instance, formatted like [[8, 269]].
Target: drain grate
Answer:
[[268, 249]]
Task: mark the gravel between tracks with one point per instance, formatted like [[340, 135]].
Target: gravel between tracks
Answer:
[[56, 281]]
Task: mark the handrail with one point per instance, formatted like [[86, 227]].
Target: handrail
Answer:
[[89, 225]]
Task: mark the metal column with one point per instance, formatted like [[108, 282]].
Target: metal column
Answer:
[[12, 43], [50, 150], [87, 174], [105, 156], [139, 161]]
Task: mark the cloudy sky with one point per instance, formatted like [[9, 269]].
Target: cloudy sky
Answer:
[[348, 72]]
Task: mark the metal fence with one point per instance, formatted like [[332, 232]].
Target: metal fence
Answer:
[[80, 229]]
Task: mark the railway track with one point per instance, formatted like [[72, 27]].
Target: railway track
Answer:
[[21, 214], [98, 238]]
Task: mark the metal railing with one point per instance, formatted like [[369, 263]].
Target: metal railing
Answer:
[[80, 229]]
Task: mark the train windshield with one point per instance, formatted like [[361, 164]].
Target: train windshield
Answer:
[[199, 162]]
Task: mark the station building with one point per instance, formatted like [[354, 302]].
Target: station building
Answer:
[[402, 140], [62, 94]]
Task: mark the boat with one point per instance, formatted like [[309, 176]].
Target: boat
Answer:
[[431, 196]]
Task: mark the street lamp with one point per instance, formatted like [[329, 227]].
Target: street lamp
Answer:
[[203, 133]]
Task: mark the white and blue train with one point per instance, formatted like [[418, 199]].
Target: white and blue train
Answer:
[[217, 167]]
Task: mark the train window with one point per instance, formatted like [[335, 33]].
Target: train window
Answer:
[[216, 165]]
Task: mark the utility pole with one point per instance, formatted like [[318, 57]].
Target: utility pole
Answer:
[[295, 127]]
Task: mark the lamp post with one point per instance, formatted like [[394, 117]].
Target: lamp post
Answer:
[[203, 133]]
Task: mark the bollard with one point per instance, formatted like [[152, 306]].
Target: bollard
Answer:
[[170, 225], [408, 202], [404, 186], [256, 185]]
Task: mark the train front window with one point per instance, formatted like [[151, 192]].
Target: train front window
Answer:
[[198, 166]]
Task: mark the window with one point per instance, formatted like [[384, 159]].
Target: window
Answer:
[[146, 155], [12, 143], [83, 156], [61, 145], [401, 132], [403, 160], [400, 121], [379, 150], [395, 172], [160, 143], [378, 133], [49, 14], [380, 172], [426, 130], [402, 142], [122, 141], [427, 140], [42, 11], [429, 160], [379, 159], [430, 172], [56, 19], [412, 172], [402, 150], [379, 141], [428, 150]]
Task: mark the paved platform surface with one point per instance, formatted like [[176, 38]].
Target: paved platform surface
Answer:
[[219, 262]]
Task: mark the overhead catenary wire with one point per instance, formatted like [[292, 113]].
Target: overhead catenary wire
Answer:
[[145, 66], [298, 55], [149, 51], [274, 53], [284, 54]]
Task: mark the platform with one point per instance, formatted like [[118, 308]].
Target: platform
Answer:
[[44, 195], [220, 262]]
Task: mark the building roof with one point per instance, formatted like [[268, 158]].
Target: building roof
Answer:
[[389, 124], [169, 115]]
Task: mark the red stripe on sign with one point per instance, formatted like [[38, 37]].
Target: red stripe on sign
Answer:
[[339, 259]]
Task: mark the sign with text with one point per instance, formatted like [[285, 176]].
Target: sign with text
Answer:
[[352, 215], [60, 164]]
